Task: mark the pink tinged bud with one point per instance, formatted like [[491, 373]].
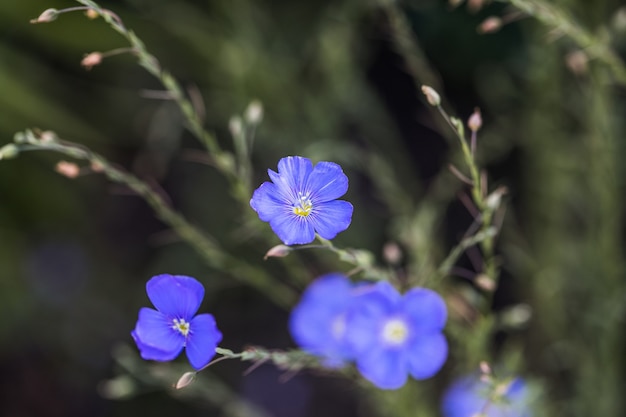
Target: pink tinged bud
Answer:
[[392, 253], [278, 251], [475, 5], [577, 62], [186, 379], [48, 15], [490, 25], [485, 369], [97, 167], [91, 60], [67, 169], [92, 14], [475, 121], [485, 283], [432, 96]]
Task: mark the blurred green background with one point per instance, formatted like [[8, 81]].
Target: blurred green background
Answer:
[[75, 253]]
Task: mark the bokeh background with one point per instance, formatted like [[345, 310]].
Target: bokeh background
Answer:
[[75, 253]]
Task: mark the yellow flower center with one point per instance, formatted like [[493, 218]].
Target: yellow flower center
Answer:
[[395, 332], [182, 326], [303, 206]]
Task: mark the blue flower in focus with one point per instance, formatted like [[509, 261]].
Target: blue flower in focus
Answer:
[[470, 396], [302, 200], [393, 335], [161, 334], [318, 322]]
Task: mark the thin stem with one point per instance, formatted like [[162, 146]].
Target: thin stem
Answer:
[[206, 246], [556, 18]]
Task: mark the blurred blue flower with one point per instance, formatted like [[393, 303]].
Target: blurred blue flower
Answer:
[[395, 335], [161, 334], [318, 322], [302, 200], [470, 396]]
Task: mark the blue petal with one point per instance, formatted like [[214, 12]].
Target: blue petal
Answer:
[[425, 309], [155, 337], [293, 229], [317, 323], [372, 306], [327, 182], [202, 340], [176, 296], [151, 353], [468, 395], [269, 201], [427, 355], [331, 218], [385, 368], [293, 172]]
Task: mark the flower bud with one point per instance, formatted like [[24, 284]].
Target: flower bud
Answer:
[[392, 253], [485, 369], [91, 60], [485, 283], [432, 96], [9, 151], [67, 169], [278, 251], [235, 125], [475, 121], [92, 14], [254, 112], [577, 62], [48, 15], [186, 379], [490, 25]]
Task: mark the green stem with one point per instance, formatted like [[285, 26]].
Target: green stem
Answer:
[[556, 18], [204, 244]]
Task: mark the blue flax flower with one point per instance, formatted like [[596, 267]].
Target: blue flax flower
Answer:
[[395, 335], [162, 334], [318, 322], [302, 200], [470, 396]]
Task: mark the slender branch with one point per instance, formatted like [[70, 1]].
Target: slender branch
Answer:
[[556, 18], [205, 245]]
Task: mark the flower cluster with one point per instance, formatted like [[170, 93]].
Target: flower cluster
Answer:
[[472, 395], [302, 200], [162, 334], [388, 335]]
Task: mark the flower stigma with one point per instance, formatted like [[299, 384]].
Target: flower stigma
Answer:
[[395, 332], [181, 326], [303, 205]]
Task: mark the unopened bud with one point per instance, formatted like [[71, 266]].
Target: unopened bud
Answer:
[[67, 169], [485, 369], [254, 112], [517, 316], [278, 251], [92, 14], [91, 60], [455, 3], [9, 151], [392, 253], [475, 121], [475, 5], [97, 167], [48, 15], [484, 282], [186, 379], [495, 198], [432, 96], [577, 62], [47, 136], [235, 125], [490, 25]]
